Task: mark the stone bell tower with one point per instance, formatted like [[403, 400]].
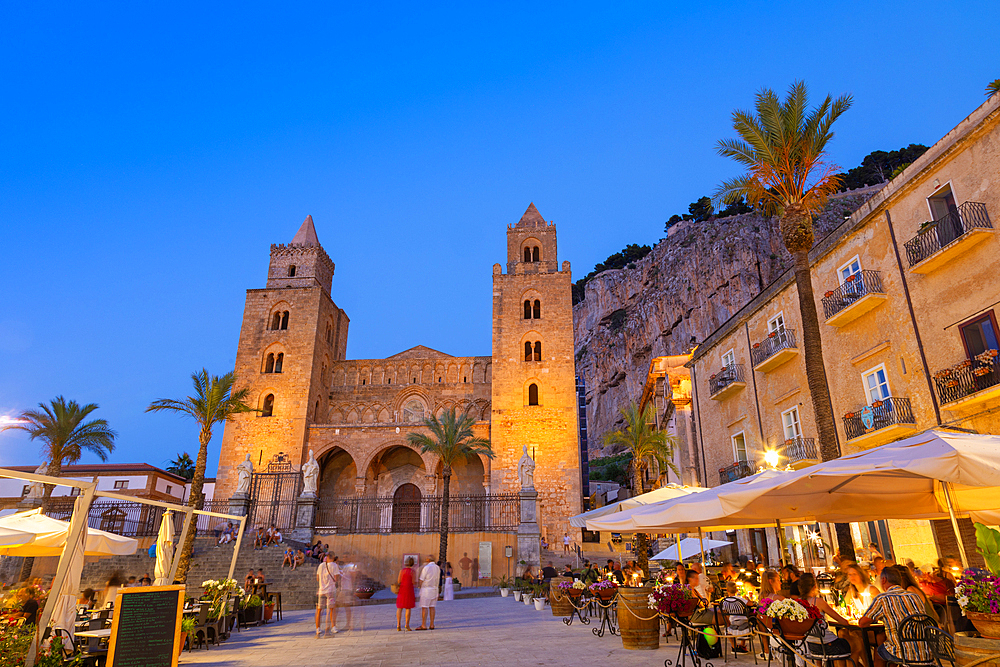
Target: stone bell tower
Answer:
[[292, 333], [534, 379]]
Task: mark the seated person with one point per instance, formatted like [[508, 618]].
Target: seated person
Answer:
[[529, 575], [770, 586], [146, 580], [549, 571], [227, 535], [248, 581], [680, 573], [705, 615], [704, 587], [589, 574], [28, 598], [937, 585], [735, 607], [258, 538], [545, 544], [87, 599], [289, 558], [567, 571], [300, 558], [272, 536], [727, 573], [890, 608], [617, 575], [832, 644], [789, 581], [860, 591]]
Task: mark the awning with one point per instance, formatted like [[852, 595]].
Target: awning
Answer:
[[690, 547], [656, 495], [50, 537]]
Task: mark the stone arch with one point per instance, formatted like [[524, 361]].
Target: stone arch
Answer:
[[352, 416], [268, 408], [533, 246], [338, 473], [467, 476], [395, 463], [367, 416], [272, 351], [280, 309], [489, 373], [384, 415], [487, 411], [533, 397], [452, 373], [465, 373], [339, 376]]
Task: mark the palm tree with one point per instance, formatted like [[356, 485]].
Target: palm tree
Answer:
[[214, 402], [61, 427], [782, 145], [992, 88], [640, 437], [452, 439], [182, 466]]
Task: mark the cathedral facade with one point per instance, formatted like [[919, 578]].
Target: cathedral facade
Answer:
[[355, 414]]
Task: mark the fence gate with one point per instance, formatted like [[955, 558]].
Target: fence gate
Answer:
[[273, 494]]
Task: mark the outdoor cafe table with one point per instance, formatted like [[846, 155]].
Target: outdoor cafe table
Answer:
[[874, 628], [95, 634]]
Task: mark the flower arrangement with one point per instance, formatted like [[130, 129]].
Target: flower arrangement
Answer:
[[605, 587], [579, 585], [828, 294], [788, 608], [218, 587], [812, 610], [978, 590], [876, 404], [987, 356], [567, 586], [670, 598]]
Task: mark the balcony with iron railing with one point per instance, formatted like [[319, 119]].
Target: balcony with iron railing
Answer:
[[726, 382], [773, 351], [737, 470], [799, 452], [859, 294], [879, 422], [940, 241], [970, 382]]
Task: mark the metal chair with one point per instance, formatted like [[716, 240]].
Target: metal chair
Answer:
[[732, 606], [821, 652], [200, 634], [942, 645], [913, 632]]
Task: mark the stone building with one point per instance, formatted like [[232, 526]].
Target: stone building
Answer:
[[906, 290], [355, 414]]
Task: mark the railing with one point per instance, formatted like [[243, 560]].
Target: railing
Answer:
[[774, 343], [940, 233], [799, 449], [882, 413], [736, 471], [728, 375], [467, 514], [134, 519], [854, 287], [968, 377]]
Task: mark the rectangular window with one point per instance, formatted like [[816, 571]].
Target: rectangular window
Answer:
[[74, 491], [852, 268], [121, 483], [877, 384], [169, 489], [776, 323], [979, 335], [944, 211], [740, 447], [790, 422], [729, 358]]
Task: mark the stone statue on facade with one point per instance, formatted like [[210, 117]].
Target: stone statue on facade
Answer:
[[244, 470], [310, 475], [37, 490], [526, 471]]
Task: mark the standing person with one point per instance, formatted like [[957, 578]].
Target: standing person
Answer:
[[429, 577], [565, 544], [404, 596], [345, 597], [449, 583], [327, 578]]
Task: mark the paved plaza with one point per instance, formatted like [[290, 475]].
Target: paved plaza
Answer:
[[479, 631]]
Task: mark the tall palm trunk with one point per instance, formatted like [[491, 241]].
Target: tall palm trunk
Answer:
[[819, 388], [445, 504], [641, 540], [54, 470], [197, 501]]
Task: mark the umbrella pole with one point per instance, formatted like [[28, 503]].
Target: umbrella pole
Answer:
[[76, 524], [180, 544], [781, 541], [701, 542], [954, 524], [236, 549], [677, 540]]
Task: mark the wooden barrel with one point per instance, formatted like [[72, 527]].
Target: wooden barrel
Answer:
[[970, 650], [638, 624], [559, 601]]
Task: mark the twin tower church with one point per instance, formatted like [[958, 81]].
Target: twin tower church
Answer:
[[355, 414]]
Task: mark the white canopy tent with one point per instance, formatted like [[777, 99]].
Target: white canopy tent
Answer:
[[164, 551], [656, 495], [51, 536], [10, 537], [690, 546]]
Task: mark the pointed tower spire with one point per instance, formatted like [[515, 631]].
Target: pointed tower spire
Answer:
[[306, 236], [531, 218]]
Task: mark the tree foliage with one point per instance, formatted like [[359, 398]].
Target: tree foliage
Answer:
[[879, 167], [628, 255], [182, 466]]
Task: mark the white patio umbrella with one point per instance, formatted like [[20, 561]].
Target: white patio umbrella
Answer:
[[50, 537], [656, 495], [64, 613], [690, 546], [164, 550], [14, 538]]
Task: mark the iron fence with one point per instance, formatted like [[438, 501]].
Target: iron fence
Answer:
[[878, 415], [799, 449], [466, 514], [736, 471], [727, 376], [774, 343], [854, 287], [135, 519], [940, 233], [967, 378]]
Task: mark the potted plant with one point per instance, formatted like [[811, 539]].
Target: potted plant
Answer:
[[365, 590], [539, 597], [793, 617], [187, 628], [504, 585], [978, 591], [251, 610], [672, 600], [605, 590], [268, 610]]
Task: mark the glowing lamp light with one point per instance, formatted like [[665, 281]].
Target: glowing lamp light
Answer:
[[771, 458]]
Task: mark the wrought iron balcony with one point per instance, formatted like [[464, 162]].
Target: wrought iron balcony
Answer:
[[799, 452], [859, 294], [776, 349], [736, 471], [890, 414], [972, 381], [953, 234], [727, 381]]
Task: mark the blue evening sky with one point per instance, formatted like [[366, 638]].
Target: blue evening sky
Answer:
[[151, 152]]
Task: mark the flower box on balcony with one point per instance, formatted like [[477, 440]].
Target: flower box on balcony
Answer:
[[876, 404], [772, 334], [849, 415], [979, 372], [828, 294]]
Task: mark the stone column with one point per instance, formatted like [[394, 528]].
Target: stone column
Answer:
[[239, 504], [305, 518], [529, 545]]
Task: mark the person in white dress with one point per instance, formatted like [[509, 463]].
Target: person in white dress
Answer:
[[449, 583]]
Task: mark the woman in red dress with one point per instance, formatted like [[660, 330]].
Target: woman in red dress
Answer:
[[404, 596]]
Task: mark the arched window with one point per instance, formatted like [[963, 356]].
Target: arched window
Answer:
[[268, 408], [527, 254], [534, 254], [536, 312], [538, 350], [278, 361], [527, 310], [527, 351], [269, 364], [329, 334], [291, 271], [532, 394], [316, 412], [276, 322], [284, 320]]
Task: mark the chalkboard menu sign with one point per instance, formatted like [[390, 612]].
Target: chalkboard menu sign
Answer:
[[146, 627]]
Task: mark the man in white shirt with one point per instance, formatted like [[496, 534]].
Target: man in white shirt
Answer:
[[327, 578], [430, 579]]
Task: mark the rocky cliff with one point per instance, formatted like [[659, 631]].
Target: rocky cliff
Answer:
[[672, 299]]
